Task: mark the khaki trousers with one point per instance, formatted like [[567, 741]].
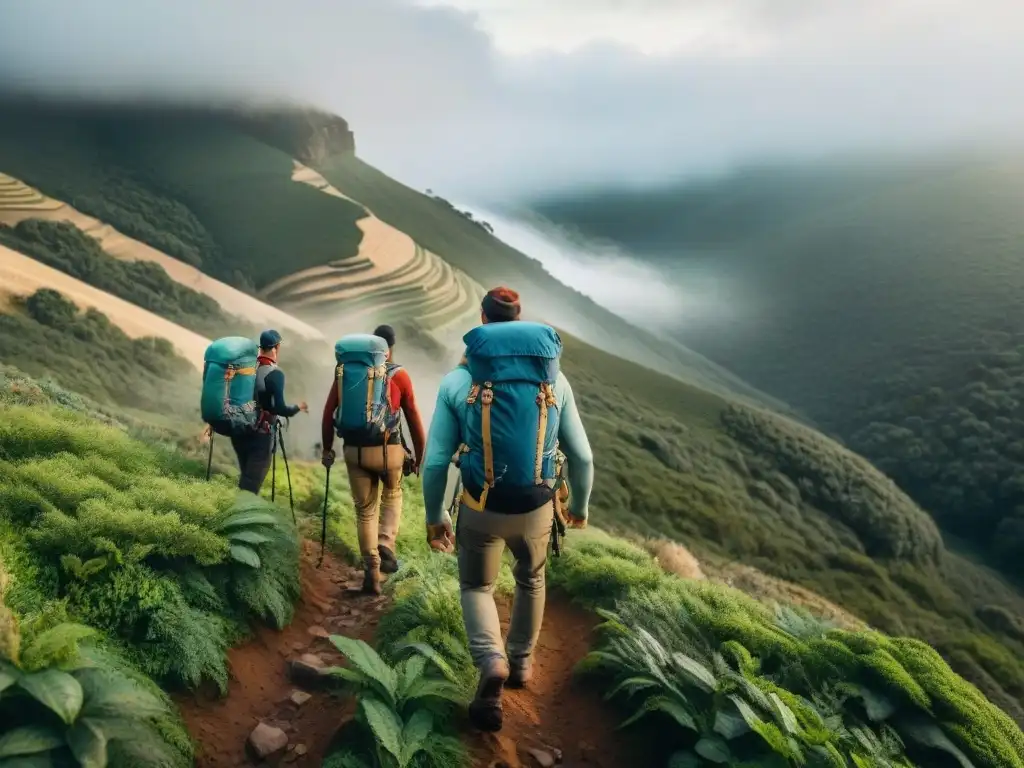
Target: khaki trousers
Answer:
[[482, 538], [377, 518]]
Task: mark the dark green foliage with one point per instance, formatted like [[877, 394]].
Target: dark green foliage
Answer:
[[840, 483], [777, 689], [66, 702], [170, 566], [85, 352], [143, 283]]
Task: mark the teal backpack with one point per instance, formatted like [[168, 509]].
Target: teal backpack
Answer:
[[228, 401], [363, 375], [508, 463]]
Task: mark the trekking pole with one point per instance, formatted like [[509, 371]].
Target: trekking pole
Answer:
[[273, 463], [288, 474], [209, 461], [323, 525]]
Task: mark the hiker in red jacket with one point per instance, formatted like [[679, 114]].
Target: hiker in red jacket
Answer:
[[366, 471]]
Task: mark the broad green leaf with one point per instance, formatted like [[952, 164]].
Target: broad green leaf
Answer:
[[408, 672], [431, 654], [787, 720], [368, 661], [111, 699], [750, 717], [631, 685], [9, 675], [414, 735], [428, 688], [877, 705], [245, 555], [88, 743], [29, 740], [387, 727], [248, 537], [352, 676], [729, 726], [244, 519], [697, 672], [931, 735], [673, 709], [713, 749], [57, 690]]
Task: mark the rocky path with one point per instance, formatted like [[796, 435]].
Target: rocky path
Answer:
[[273, 706]]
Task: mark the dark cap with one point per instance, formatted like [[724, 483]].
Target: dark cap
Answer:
[[501, 304], [269, 339], [386, 332]]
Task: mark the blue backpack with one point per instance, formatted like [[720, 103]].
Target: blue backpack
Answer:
[[364, 416], [508, 462], [228, 399]]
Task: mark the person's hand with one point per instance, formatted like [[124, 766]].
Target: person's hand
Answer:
[[416, 467], [327, 458], [304, 407], [440, 537], [571, 521]]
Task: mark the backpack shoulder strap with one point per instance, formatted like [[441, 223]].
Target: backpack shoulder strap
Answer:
[[485, 394], [545, 401]]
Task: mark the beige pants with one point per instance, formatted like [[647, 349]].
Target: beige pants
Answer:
[[482, 537], [365, 476]]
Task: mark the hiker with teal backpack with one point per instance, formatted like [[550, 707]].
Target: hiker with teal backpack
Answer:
[[364, 408], [503, 415], [243, 399]]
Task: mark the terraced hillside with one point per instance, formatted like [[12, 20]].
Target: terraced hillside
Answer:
[[392, 279], [20, 202], [197, 186]]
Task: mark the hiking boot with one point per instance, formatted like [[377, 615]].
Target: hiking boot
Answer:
[[371, 580], [520, 674], [485, 710], [388, 560]]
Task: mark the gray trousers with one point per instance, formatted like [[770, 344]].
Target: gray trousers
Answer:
[[481, 538]]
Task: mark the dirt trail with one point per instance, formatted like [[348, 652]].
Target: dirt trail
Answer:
[[555, 714], [260, 689]]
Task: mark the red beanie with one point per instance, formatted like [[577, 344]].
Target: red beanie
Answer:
[[501, 304]]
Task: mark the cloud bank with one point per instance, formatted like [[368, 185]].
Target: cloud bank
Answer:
[[493, 100]]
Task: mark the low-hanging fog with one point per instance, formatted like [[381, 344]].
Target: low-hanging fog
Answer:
[[498, 102], [487, 100]]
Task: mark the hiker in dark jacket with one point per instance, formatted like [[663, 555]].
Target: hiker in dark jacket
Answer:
[[255, 452]]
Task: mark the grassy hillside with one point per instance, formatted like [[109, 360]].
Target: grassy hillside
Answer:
[[882, 300]]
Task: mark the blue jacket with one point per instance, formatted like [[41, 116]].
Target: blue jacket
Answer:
[[448, 432]]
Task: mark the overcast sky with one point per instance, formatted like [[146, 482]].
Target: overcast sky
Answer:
[[488, 100]]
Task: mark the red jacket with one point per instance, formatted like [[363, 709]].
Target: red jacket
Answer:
[[402, 397]]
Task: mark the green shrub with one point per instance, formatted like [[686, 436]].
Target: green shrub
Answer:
[[714, 662], [172, 567], [62, 704], [85, 352], [399, 706]]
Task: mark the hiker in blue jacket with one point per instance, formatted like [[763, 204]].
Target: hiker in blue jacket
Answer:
[[505, 411]]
